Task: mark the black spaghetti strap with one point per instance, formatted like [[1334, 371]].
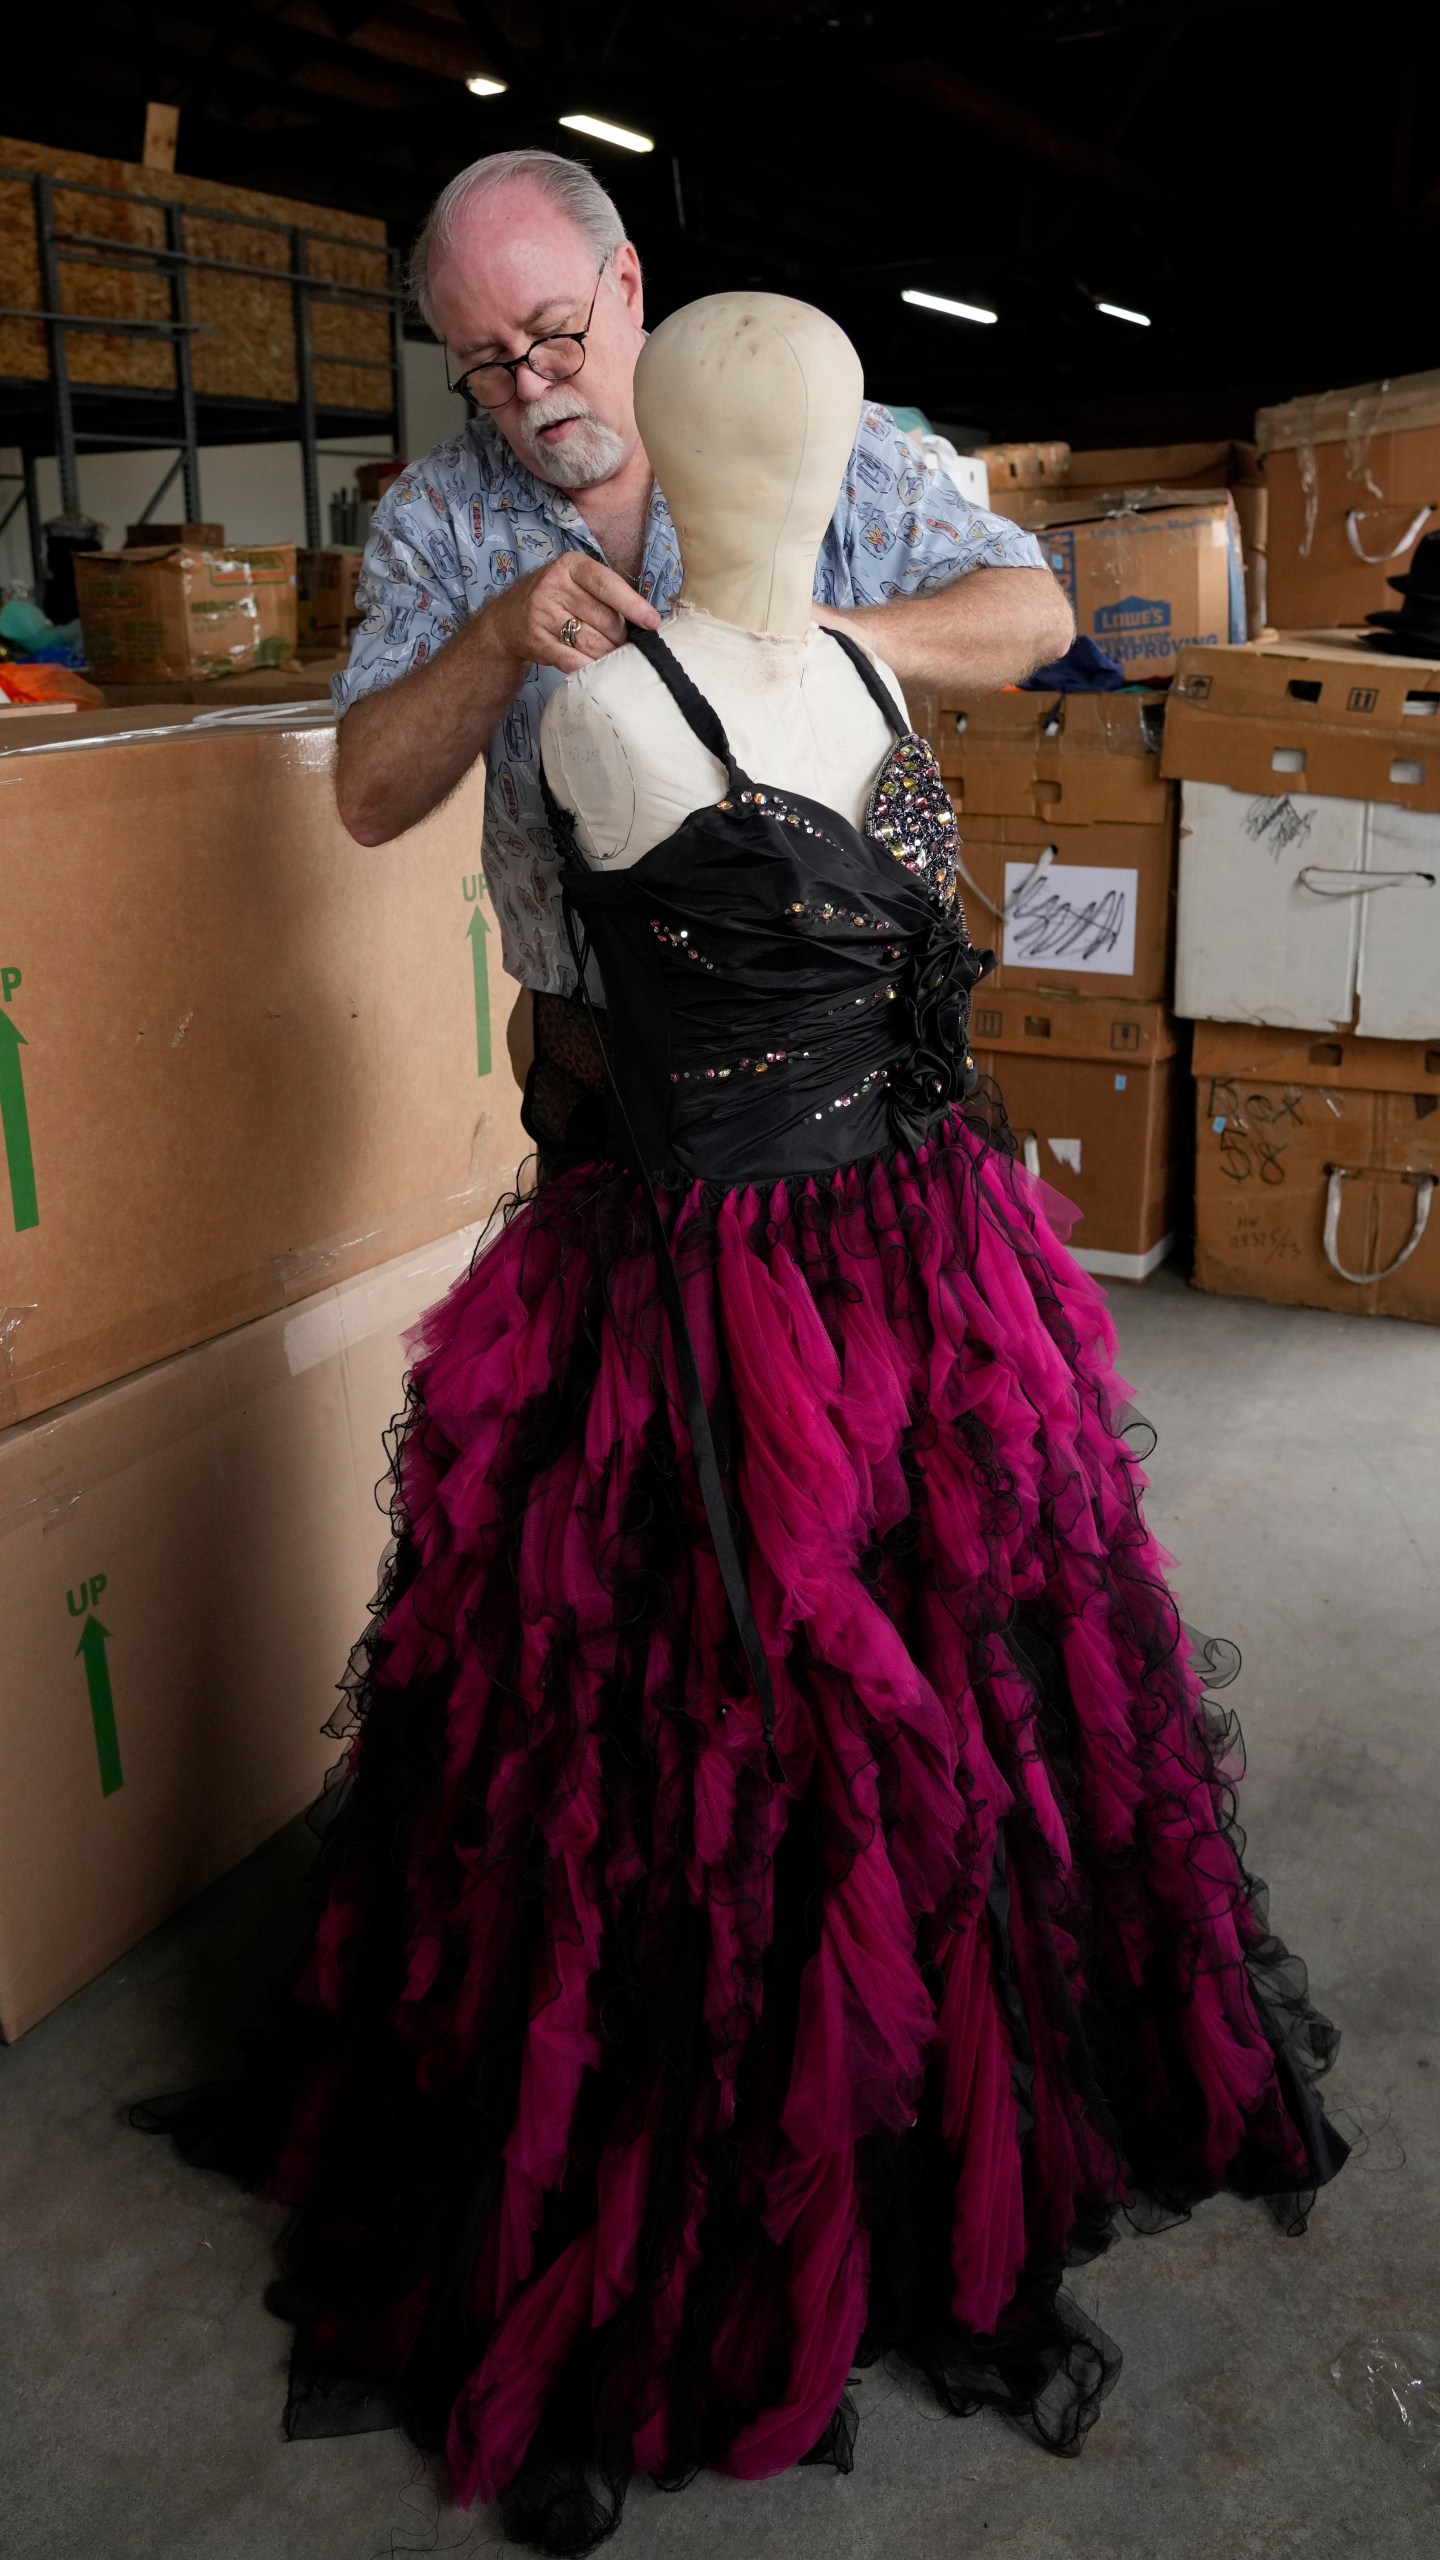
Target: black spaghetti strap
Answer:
[[689, 701], [874, 685]]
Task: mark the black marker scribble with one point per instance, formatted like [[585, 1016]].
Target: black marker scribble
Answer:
[[1043, 924], [1278, 823]]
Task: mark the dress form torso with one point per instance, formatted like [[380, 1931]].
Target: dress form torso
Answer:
[[619, 755]]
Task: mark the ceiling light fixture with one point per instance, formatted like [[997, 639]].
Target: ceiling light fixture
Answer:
[[952, 310], [600, 131], [482, 86], [1117, 311]]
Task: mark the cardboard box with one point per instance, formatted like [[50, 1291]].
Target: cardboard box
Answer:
[[1069, 838], [327, 609], [1148, 574], [1011, 468], [1309, 839], [1327, 716], [242, 1057], [1093, 1091], [372, 479], [1074, 910], [179, 614], [159, 537], [1224, 465], [186, 1558], [1081, 759], [1354, 481], [1310, 914], [1316, 1169]]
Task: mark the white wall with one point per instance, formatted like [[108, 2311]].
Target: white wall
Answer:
[[254, 490]]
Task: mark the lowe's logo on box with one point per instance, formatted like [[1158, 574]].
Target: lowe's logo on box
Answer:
[[1134, 613]]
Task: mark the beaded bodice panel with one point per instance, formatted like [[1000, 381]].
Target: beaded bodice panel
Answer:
[[787, 992]]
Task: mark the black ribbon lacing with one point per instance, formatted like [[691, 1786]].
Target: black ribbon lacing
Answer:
[[702, 1438]]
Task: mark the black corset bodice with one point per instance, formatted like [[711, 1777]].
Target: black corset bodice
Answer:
[[787, 992]]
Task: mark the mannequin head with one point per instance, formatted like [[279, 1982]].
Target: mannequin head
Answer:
[[747, 405]]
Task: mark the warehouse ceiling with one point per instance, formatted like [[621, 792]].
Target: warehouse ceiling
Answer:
[[1259, 178]]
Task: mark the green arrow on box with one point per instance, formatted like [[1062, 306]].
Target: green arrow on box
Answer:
[[91, 1648], [15, 1124], [476, 932]]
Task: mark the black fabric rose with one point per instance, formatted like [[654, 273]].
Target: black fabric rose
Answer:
[[933, 1071]]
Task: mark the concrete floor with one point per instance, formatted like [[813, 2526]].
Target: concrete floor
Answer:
[[1297, 1482]]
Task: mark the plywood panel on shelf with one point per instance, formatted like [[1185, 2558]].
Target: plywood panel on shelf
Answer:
[[245, 346]]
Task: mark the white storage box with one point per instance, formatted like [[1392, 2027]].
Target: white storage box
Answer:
[[1314, 915]]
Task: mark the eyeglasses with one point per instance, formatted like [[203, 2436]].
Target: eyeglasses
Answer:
[[554, 359]]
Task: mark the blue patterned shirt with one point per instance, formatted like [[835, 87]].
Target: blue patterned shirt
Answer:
[[455, 529]]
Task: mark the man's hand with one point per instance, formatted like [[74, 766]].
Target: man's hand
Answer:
[[990, 629], [526, 621], [403, 750]]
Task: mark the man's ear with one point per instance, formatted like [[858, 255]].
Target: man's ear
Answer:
[[628, 283]]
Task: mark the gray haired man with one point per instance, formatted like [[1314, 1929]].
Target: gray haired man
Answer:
[[516, 553]]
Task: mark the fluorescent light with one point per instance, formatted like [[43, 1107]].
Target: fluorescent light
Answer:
[[1117, 311], [484, 87], [600, 131], [953, 310]]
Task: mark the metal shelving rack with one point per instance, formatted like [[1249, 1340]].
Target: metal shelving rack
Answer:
[[57, 415]]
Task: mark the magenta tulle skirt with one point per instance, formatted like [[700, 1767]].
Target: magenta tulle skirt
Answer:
[[636, 2098]]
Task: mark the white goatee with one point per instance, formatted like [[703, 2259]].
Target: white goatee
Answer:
[[591, 452]]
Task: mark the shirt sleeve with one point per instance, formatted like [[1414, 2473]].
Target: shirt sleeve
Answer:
[[411, 590], [900, 530]]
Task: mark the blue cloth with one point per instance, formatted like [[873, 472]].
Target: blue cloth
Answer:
[[1085, 668], [454, 530]]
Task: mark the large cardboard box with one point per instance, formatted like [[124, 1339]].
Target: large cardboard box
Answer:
[[1148, 573], [180, 614], [1093, 1090], [240, 1055], [1069, 838], [1354, 481], [1316, 1169], [1309, 839], [186, 1558], [326, 597]]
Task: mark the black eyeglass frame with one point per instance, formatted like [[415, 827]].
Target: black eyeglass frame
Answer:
[[512, 364]]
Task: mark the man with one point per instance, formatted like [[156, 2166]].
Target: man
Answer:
[[511, 557]]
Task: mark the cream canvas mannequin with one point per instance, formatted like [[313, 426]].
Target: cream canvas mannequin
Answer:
[[747, 405]]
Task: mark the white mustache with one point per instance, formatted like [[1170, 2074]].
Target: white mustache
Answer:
[[552, 410]]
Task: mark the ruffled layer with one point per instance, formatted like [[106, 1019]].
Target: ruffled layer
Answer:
[[641, 2097]]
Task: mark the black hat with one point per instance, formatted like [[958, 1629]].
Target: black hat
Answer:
[[1422, 578], [1413, 631]]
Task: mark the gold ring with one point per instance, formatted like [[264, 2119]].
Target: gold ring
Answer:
[[570, 633]]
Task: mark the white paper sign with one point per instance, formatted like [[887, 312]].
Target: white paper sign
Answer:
[[1072, 915]]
